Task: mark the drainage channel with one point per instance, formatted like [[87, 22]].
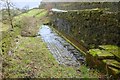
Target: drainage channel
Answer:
[[63, 52]]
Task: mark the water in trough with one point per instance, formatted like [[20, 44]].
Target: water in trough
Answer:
[[63, 52]]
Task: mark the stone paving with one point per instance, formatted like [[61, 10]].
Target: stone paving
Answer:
[[63, 51]]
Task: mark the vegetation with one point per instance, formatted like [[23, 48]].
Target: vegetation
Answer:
[[25, 55], [28, 26], [31, 58], [94, 26], [9, 16], [109, 55], [91, 31], [9, 38]]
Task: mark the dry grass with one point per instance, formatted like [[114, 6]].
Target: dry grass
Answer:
[[29, 27]]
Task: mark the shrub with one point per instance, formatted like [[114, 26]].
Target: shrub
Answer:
[[29, 27]]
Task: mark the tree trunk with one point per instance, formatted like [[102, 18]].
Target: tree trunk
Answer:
[[9, 14]]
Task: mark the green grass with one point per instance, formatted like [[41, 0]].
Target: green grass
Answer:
[[33, 57], [33, 54], [4, 27], [30, 13], [30, 57], [33, 12], [43, 13]]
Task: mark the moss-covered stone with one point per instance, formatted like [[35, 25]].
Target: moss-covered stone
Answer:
[[114, 70], [113, 67], [93, 26], [101, 54], [107, 47], [112, 49], [112, 63], [106, 59]]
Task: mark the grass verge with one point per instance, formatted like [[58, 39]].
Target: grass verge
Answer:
[[31, 58]]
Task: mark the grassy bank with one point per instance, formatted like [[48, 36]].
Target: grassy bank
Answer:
[[9, 39], [31, 58], [28, 57]]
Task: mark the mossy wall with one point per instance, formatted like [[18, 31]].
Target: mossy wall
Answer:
[[93, 27], [111, 6]]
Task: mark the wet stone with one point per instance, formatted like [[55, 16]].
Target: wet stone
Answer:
[[69, 48], [65, 44], [77, 56], [62, 51], [56, 38], [75, 52], [81, 58]]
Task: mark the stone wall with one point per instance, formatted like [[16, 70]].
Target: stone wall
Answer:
[[92, 27], [111, 6], [96, 29]]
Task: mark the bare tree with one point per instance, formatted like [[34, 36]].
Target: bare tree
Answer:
[[25, 8], [8, 5]]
